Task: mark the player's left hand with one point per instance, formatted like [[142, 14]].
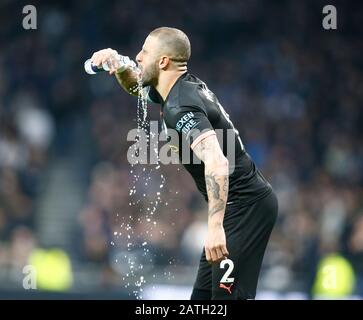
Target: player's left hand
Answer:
[[215, 245]]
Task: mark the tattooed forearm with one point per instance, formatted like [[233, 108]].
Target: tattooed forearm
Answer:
[[217, 189], [212, 186], [216, 176], [225, 186], [218, 206]]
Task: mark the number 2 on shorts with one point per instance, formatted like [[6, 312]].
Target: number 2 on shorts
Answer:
[[226, 278]]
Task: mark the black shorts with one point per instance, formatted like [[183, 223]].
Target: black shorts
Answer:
[[248, 230]]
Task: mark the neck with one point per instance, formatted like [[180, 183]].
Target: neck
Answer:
[[166, 81]]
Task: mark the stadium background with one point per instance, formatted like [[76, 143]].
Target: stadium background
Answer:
[[293, 89]]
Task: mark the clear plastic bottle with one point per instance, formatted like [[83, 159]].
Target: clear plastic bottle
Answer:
[[92, 69], [125, 62]]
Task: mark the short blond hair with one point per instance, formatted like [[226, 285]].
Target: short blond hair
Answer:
[[174, 43]]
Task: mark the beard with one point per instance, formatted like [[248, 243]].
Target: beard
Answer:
[[150, 75]]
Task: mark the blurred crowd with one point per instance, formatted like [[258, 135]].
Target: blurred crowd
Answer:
[[293, 90]]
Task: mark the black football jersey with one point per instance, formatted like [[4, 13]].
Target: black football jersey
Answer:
[[192, 109]]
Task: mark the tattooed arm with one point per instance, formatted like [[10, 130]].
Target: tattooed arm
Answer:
[[207, 148]]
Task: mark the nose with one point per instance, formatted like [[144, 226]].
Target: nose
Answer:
[[138, 57]]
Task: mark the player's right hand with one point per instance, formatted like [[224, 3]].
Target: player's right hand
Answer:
[[107, 56], [215, 245]]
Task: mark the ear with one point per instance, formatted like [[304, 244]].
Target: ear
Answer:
[[164, 62]]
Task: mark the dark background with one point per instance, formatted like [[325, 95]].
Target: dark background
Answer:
[[293, 89]]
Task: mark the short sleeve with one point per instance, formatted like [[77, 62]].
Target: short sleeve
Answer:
[[190, 122]]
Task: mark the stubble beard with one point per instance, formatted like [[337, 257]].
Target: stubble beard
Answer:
[[150, 76]]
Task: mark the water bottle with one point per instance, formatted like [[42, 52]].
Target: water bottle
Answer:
[[125, 63]]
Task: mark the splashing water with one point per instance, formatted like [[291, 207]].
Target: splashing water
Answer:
[[138, 254], [141, 103]]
